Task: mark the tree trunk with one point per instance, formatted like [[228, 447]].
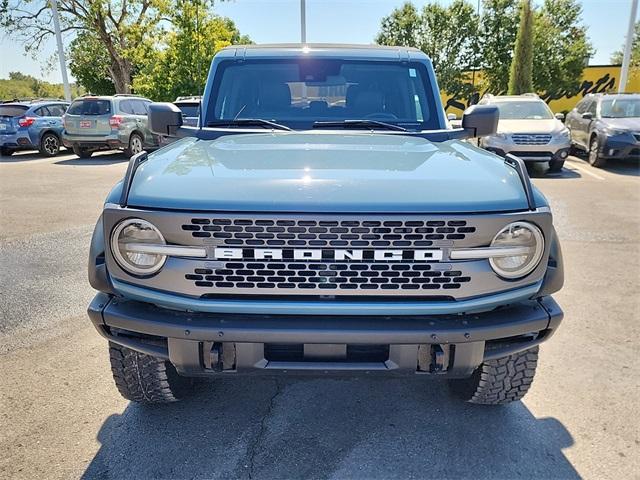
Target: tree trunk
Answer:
[[120, 72]]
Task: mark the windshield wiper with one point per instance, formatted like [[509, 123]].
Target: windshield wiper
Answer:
[[355, 123], [248, 122]]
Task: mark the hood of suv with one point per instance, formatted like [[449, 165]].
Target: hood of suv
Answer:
[[550, 126], [326, 172], [631, 124]]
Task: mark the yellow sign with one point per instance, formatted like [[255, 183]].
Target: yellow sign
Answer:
[[596, 79]]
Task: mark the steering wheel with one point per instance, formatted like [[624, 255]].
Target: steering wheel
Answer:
[[381, 116]]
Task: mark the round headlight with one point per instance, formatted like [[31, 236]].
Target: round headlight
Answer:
[[530, 241], [128, 241]]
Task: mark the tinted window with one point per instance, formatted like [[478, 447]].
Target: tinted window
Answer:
[[126, 106], [189, 109], [592, 108], [582, 106], [526, 110], [56, 110], [42, 112], [90, 107], [12, 110], [139, 107], [620, 108], [299, 92]]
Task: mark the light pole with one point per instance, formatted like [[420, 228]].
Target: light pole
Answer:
[[63, 65], [303, 21], [626, 59]]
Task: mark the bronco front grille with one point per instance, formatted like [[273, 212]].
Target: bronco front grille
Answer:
[[530, 138], [327, 233], [324, 277]]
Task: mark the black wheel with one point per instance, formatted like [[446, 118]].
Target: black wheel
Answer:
[[82, 152], [49, 145], [556, 165], [497, 382], [594, 153], [136, 145], [6, 152], [145, 379]]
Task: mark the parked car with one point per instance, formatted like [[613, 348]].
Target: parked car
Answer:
[[528, 129], [32, 125], [190, 108], [324, 220], [117, 122], [607, 126]]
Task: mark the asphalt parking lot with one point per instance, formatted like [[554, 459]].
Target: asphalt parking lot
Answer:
[[61, 416]]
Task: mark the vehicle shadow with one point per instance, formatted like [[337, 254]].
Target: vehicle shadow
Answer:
[[329, 428], [539, 170], [627, 167], [97, 159]]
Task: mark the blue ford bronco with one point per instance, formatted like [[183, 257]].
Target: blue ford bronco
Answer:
[[323, 219]]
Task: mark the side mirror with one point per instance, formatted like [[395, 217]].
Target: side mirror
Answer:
[[587, 115], [164, 118], [481, 120], [560, 116], [451, 116]]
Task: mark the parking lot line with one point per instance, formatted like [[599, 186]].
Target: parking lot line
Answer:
[[586, 171]]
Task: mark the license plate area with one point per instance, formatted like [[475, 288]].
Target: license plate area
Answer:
[[85, 123]]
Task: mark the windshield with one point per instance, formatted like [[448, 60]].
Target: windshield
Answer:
[[527, 110], [299, 92], [620, 108], [12, 110]]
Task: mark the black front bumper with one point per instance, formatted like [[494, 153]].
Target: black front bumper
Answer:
[[614, 149], [205, 343]]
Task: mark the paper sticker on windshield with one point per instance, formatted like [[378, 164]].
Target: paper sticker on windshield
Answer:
[[412, 72]]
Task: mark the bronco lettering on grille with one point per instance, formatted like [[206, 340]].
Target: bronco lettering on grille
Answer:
[[430, 255]]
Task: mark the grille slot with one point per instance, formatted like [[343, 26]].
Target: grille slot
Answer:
[[323, 277], [530, 138], [319, 233]]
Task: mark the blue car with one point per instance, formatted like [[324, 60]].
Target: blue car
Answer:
[[33, 125]]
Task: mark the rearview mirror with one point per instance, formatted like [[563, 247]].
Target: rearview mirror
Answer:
[[587, 115], [560, 116], [481, 120], [164, 118]]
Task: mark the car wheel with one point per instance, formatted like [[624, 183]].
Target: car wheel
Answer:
[[136, 145], [500, 381], [6, 152], [145, 379], [556, 165], [49, 145], [82, 152], [594, 153]]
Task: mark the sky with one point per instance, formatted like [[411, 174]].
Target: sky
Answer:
[[332, 21]]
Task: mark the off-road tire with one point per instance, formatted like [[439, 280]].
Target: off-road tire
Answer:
[[498, 382], [594, 154], [6, 152], [556, 166], [49, 145], [145, 379], [82, 152], [136, 145]]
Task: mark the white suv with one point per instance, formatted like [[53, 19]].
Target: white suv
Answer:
[[528, 129]]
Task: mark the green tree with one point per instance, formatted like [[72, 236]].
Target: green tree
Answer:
[[497, 37], [561, 48], [520, 75], [447, 34], [126, 28], [181, 65], [90, 64]]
